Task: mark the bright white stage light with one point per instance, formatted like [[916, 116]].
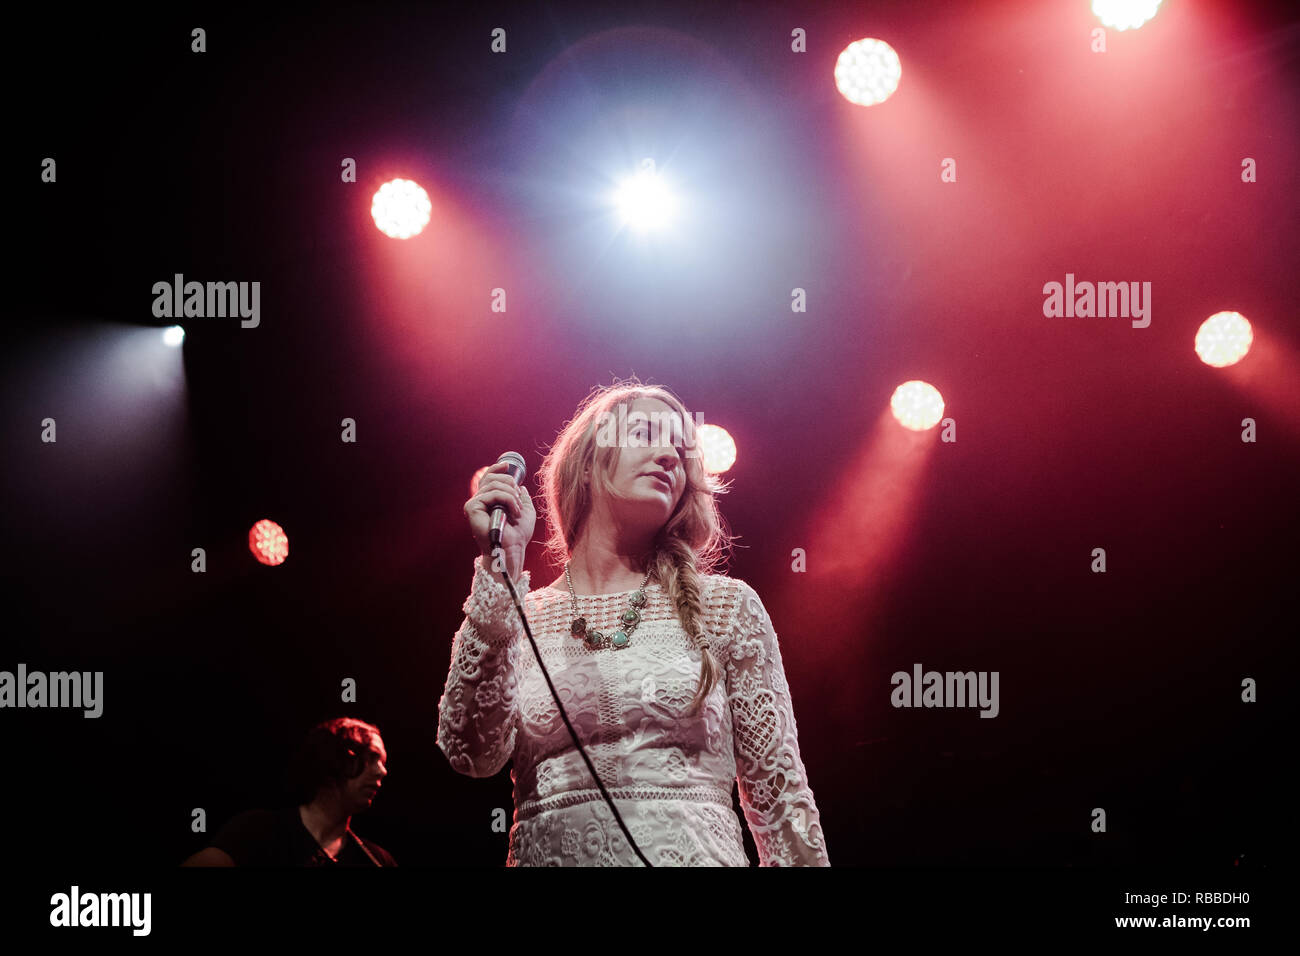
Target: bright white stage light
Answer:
[[1224, 339], [173, 335], [1125, 14], [868, 72], [401, 208], [717, 448], [917, 405], [645, 202]]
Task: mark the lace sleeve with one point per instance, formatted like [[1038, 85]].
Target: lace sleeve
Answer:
[[476, 715], [774, 791]]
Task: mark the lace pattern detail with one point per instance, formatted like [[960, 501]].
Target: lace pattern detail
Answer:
[[669, 833], [671, 773], [489, 608], [531, 808], [774, 792], [476, 715]]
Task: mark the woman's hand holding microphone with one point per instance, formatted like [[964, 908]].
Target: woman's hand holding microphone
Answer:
[[495, 487]]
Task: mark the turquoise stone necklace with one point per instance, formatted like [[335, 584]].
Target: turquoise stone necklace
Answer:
[[628, 621]]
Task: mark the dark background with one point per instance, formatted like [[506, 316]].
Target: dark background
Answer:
[[1119, 691]]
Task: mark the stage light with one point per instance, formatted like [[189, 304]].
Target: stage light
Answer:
[[401, 209], [716, 447], [173, 335], [1224, 339], [917, 405], [1125, 14], [473, 482], [868, 72], [268, 542], [645, 202]]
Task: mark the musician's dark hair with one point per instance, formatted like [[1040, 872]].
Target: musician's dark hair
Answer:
[[332, 752]]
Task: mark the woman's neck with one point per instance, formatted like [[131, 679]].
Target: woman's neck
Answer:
[[597, 568]]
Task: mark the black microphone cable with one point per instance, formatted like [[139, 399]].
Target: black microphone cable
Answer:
[[572, 733]]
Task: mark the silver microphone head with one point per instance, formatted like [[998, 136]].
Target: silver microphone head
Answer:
[[518, 467]]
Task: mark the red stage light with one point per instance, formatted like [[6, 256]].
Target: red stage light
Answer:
[[268, 542]]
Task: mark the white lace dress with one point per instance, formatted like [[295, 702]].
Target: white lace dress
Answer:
[[669, 774]]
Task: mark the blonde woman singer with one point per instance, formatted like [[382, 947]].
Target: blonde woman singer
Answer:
[[671, 675]]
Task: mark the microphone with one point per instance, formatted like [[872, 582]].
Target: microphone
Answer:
[[517, 469]]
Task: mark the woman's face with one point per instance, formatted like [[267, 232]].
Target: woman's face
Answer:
[[650, 476]]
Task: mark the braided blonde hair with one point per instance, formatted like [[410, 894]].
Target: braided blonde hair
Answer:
[[692, 542]]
